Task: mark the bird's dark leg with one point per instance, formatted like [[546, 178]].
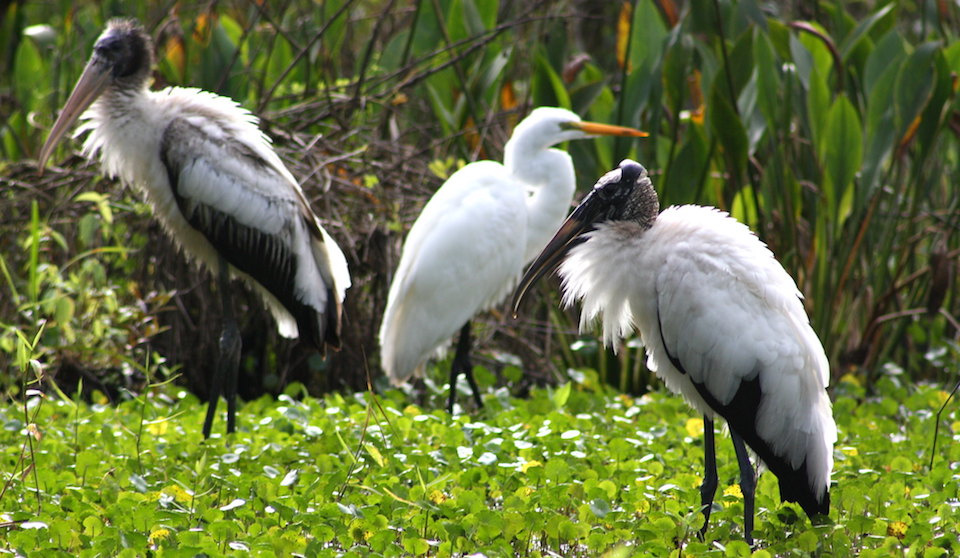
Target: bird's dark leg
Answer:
[[225, 374], [461, 365], [748, 485], [709, 487]]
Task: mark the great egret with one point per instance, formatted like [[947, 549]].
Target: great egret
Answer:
[[721, 320], [467, 248], [218, 188]]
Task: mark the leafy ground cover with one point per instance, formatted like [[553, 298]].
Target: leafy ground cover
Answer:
[[579, 470]]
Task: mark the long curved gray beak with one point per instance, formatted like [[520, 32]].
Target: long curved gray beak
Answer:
[[569, 234], [92, 82]]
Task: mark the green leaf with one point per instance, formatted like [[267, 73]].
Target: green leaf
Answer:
[[727, 127], [880, 132], [862, 30], [744, 207], [768, 78], [561, 395], [840, 153], [820, 57], [914, 86], [818, 106], [549, 88], [889, 50]]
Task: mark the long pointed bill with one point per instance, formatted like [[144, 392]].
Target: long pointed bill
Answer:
[[569, 235], [597, 129], [91, 84]]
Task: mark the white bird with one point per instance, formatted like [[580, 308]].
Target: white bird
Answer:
[[467, 248], [722, 323], [218, 188]]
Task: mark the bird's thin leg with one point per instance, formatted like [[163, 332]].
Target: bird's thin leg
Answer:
[[461, 365], [748, 485], [709, 487], [225, 374]]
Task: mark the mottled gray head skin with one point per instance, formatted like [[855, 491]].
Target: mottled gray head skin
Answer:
[[623, 194], [126, 50], [120, 64]]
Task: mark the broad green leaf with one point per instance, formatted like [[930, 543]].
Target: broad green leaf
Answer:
[[767, 78], [818, 104], [914, 86], [754, 120], [677, 69], [889, 50], [741, 63], [880, 132], [744, 207], [952, 55], [821, 58], [863, 29], [459, 18], [727, 127], [936, 109], [684, 176], [840, 154], [549, 88], [646, 52], [648, 32], [562, 394], [802, 59], [30, 68]]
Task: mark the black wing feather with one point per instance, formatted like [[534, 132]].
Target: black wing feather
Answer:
[[265, 257], [741, 415]]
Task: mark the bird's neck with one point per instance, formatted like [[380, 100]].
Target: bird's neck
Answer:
[[550, 182], [119, 119], [120, 103]]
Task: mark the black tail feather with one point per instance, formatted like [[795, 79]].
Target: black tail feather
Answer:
[[741, 415]]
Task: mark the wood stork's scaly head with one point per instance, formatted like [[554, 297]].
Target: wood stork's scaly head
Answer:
[[547, 126], [121, 61], [623, 194]]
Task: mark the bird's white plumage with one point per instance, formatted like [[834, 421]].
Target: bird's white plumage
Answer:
[[467, 248], [462, 255], [700, 287], [134, 131]]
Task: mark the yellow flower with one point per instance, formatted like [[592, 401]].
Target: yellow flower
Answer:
[[157, 428], [178, 493], [158, 534], [695, 427], [529, 465], [897, 529], [851, 379], [438, 497], [733, 490]]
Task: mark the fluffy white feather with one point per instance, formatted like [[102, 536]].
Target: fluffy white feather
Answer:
[[725, 308], [267, 199]]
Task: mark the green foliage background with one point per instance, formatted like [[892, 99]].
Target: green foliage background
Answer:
[[830, 128]]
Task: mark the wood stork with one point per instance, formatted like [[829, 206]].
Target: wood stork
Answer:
[[218, 188], [722, 323], [467, 248]]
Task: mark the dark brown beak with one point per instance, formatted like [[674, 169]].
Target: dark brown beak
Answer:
[[570, 234], [93, 81]]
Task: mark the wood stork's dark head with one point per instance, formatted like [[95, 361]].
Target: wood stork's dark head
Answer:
[[121, 61], [623, 194]]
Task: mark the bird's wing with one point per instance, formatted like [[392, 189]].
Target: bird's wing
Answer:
[[462, 255], [728, 311], [731, 317], [235, 192]]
